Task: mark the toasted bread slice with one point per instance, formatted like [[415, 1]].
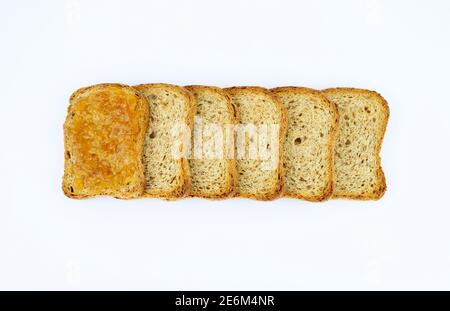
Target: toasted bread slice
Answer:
[[103, 139], [213, 168], [363, 118], [309, 145], [260, 136], [167, 174]]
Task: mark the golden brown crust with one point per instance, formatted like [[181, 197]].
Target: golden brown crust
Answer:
[[381, 177], [184, 186], [230, 189], [283, 127], [332, 107], [78, 171]]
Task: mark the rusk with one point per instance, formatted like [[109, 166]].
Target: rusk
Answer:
[[309, 145], [167, 175], [257, 177], [103, 140], [363, 119]]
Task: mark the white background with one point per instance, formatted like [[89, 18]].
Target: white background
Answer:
[[398, 48]]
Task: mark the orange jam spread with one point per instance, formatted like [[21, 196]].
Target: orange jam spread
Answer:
[[104, 132]]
